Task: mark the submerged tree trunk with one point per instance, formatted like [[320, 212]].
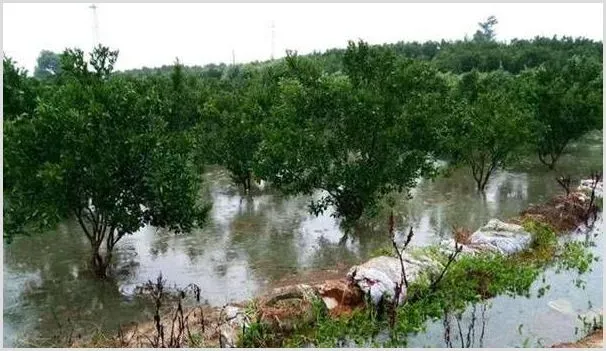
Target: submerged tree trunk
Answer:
[[98, 230], [245, 181], [553, 159], [100, 264], [554, 155], [247, 186], [543, 159], [482, 171], [481, 179]]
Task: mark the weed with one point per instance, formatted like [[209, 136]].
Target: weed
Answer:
[[590, 325], [575, 256], [543, 245], [383, 251]]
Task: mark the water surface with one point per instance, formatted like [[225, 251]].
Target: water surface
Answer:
[[252, 242]]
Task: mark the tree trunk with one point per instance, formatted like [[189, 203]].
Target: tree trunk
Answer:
[[245, 181], [96, 232], [543, 159], [100, 264], [483, 183], [480, 184], [554, 157]]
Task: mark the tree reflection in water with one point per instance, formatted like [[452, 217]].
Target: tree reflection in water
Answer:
[[461, 335]]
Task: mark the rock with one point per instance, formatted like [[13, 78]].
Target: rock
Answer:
[[232, 321], [504, 238], [448, 246], [378, 276]]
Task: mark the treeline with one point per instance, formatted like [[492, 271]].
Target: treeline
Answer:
[[119, 150]]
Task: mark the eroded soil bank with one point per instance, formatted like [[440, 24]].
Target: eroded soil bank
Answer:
[[593, 340]]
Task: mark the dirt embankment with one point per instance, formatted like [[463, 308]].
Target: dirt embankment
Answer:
[[593, 340], [563, 213]]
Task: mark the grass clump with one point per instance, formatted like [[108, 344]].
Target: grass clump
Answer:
[[383, 251], [543, 246], [257, 334]]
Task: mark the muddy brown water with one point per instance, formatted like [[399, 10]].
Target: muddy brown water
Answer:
[[252, 243]]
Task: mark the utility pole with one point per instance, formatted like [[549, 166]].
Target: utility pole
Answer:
[[233, 57], [95, 25], [273, 38]]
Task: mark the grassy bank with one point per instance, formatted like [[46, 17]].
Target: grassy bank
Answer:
[[470, 279]]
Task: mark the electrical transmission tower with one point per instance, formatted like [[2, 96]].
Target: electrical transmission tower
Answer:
[[95, 25]]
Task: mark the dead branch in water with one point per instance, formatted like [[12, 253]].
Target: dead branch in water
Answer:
[[403, 280], [592, 208], [156, 290], [179, 321]]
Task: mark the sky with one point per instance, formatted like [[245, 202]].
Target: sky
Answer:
[[155, 34]]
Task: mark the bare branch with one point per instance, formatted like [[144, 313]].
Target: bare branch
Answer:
[[451, 258]]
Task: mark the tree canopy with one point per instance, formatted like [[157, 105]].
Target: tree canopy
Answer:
[[98, 149], [489, 124], [48, 65], [358, 134], [567, 101], [19, 93]]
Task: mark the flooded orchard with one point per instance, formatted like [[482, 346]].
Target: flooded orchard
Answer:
[[253, 243]]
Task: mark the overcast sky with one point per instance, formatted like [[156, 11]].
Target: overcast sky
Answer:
[[154, 34]]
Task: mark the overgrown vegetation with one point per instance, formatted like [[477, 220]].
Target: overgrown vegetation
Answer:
[[469, 280]]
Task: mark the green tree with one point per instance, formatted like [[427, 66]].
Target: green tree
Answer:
[[184, 95], [567, 103], [486, 31], [234, 119], [48, 64], [98, 149], [489, 123], [19, 91], [357, 135]]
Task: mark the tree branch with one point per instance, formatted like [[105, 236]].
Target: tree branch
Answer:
[[93, 220], [451, 258], [78, 214]]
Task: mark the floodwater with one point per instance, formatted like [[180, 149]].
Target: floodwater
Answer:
[[250, 243], [527, 322]]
